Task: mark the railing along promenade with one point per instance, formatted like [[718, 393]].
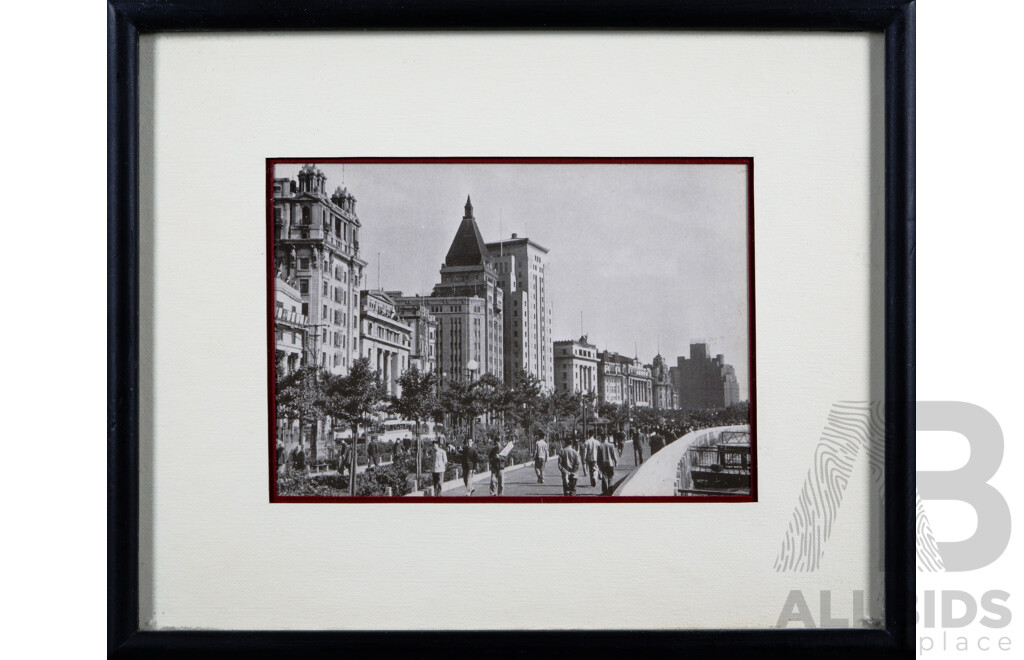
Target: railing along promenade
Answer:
[[660, 475]]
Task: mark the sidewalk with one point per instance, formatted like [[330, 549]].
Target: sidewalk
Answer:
[[524, 483], [455, 487], [521, 480]]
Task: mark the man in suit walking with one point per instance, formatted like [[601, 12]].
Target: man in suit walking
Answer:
[[607, 459]]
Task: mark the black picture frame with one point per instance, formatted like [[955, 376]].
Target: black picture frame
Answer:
[[127, 19]]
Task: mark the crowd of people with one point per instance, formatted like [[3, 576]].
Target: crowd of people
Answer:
[[595, 458]]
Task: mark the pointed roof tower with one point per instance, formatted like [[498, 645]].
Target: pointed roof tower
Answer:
[[468, 247]]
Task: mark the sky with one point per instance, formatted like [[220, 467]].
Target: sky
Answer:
[[653, 256]]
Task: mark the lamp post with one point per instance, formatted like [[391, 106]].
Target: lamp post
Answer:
[[583, 405], [471, 368], [440, 388]]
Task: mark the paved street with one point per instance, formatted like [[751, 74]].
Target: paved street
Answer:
[[523, 482]]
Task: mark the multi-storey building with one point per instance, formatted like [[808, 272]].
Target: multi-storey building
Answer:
[[462, 349], [664, 389], [729, 383], [611, 379], [641, 394], [317, 245], [705, 382], [289, 326], [385, 339], [522, 269], [576, 366], [468, 305], [415, 312], [624, 380]]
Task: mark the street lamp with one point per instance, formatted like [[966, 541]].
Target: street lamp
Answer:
[[471, 367]]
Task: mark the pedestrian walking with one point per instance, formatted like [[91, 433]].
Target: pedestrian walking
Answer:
[[590, 457], [638, 448], [657, 442], [468, 460], [620, 442], [540, 457], [569, 464], [372, 452], [496, 463], [440, 464], [607, 459], [343, 457]]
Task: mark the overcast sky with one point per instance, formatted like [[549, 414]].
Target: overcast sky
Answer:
[[647, 253]]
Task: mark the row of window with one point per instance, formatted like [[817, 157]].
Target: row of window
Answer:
[[288, 337], [386, 334]]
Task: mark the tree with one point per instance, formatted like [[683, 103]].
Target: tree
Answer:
[[560, 411], [352, 398], [417, 402], [301, 396], [588, 410], [618, 414], [526, 398], [463, 400], [491, 393]]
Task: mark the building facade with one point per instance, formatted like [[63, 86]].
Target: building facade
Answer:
[[528, 345], [624, 380], [316, 245], [705, 382], [468, 305], [461, 341], [662, 385], [385, 339], [611, 380], [289, 327], [641, 390], [576, 366], [414, 311]]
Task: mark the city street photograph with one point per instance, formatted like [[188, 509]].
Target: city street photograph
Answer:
[[511, 329]]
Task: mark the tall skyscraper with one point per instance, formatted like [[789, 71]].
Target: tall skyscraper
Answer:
[[468, 306], [317, 246], [705, 382], [522, 268]]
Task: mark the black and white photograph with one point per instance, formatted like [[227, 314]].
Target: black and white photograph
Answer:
[[534, 329]]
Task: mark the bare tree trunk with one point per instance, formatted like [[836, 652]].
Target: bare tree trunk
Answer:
[[419, 461], [312, 442], [354, 462]]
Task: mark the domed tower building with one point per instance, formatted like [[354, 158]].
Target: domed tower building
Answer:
[[316, 246], [468, 306], [665, 397]]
